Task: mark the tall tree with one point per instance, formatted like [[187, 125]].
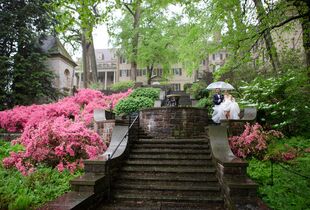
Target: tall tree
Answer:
[[271, 49], [154, 48], [24, 77], [303, 8], [134, 9], [76, 21]]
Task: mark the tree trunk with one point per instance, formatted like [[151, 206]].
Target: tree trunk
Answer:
[[303, 7], [149, 74], [93, 63], [85, 60], [271, 49], [135, 41]]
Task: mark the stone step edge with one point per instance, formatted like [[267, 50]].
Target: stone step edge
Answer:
[[77, 200], [142, 205], [87, 179], [169, 170], [172, 140], [174, 145], [168, 198], [167, 179], [166, 187], [158, 163], [171, 151], [167, 157], [241, 183]]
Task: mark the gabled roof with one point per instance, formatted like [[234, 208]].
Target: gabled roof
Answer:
[[53, 47]]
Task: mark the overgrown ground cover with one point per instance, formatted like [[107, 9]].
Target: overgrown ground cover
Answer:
[[29, 192], [280, 165], [291, 182]]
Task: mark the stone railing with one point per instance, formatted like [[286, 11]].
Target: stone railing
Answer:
[[238, 190], [236, 127], [174, 122]]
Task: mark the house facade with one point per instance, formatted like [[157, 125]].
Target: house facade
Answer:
[[60, 62], [112, 68]]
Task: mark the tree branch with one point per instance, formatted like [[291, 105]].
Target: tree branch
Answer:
[[128, 8]]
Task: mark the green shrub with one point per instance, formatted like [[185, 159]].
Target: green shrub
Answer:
[[187, 86], [152, 93], [96, 86], [282, 100], [133, 104], [198, 90], [124, 85], [6, 148], [204, 102]]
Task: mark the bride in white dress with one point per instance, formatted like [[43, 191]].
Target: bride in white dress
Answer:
[[228, 109]]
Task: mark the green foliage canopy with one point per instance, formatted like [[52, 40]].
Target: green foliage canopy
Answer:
[[24, 76]]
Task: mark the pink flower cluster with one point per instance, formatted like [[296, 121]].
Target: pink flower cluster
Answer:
[[253, 141], [81, 106], [56, 142], [50, 134], [288, 156]]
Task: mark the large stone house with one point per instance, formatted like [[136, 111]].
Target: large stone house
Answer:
[[114, 68], [60, 62]]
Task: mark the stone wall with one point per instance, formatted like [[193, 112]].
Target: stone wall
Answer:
[[174, 122], [105, 129]]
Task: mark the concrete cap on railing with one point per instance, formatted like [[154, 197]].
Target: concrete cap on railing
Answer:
[[99, 115]]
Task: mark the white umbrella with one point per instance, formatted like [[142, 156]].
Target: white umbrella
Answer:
[[221, 85]]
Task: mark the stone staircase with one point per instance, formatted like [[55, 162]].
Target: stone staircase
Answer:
[[167, 174]]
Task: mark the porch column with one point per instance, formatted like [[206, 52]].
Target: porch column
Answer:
[[105, 80]]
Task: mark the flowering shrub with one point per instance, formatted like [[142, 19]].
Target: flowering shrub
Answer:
[[253, 141], [57, 142], [106, 102], [81, 106], [56, 134]]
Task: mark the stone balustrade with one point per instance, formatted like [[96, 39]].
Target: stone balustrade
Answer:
[[174, 122]]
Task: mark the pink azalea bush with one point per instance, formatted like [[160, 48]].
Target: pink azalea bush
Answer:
[[253, 141], [57, 134], [81, 106], [57, 142]]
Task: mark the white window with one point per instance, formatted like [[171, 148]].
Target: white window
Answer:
[[177, 71], [124, 73], [176, 87]]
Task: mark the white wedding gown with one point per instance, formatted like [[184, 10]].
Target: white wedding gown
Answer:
[[228, 105]]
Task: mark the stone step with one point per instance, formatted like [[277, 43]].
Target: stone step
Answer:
[[155, 195], [169, 169], [172, 146], [169, 162], [89, 182], [71, 200], [167, 186], [145, 137], [162, 176], [183, 151], [173, 141], [160, 205], [170, 156]]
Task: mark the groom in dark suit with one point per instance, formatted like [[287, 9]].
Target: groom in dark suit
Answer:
[[218, 97]]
